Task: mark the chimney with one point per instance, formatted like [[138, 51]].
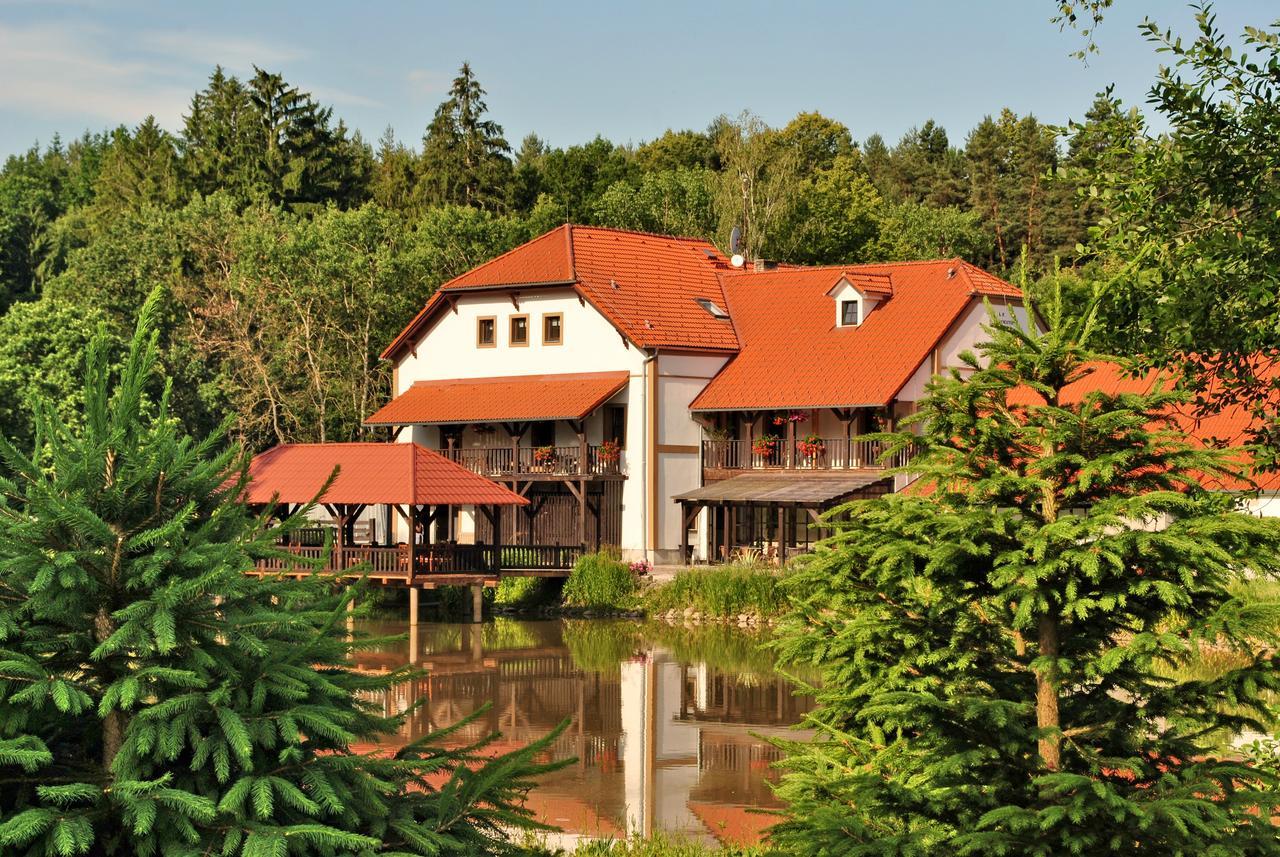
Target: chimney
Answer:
[[760, 265]]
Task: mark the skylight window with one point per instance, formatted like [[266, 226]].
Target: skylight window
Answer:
[[712, 307]]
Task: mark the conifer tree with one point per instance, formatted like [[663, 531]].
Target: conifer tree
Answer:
[[464, 154], [154, 700], [1005, 651]]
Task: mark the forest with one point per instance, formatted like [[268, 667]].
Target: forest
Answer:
[[292, 250]]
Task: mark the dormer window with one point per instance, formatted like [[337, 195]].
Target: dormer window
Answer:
[[848, 313], [713, 308]]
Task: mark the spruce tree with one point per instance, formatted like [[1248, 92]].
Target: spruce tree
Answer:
[[154, 700], [465, 158], [1006, 652]]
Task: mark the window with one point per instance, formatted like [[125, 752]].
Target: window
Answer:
[[486, 332], [552, 328], [713, 308], [519, 330], [848, 313]]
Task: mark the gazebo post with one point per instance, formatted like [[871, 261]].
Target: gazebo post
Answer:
[[496, 526], [412, 519]]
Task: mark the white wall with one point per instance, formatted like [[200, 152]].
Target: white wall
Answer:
[[964, 336], [681, 377], [448, 348]]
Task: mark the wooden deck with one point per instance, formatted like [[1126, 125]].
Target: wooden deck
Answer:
[[433, 565]]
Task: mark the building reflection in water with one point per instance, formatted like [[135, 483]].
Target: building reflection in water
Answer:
[[667, 725]]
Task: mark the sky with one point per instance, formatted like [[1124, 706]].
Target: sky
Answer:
[[570, 70]]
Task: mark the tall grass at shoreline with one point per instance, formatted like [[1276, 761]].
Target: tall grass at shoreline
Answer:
[[722, 591]]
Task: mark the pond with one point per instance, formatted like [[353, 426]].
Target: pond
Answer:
[[667, 723]]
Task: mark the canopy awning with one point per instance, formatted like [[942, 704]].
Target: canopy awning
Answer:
[[808, 490], [506, 399], [370, 473]]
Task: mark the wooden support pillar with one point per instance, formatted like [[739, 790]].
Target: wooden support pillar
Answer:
[[477, 602], [413, 606], [684, 532], [497, 537], [791, 442], [782, 544]]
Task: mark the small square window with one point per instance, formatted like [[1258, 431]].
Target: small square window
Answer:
[[848, 313], [486, 332], [552, 329], [519, 330]]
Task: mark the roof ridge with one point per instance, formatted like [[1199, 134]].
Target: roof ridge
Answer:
[[642, 233]]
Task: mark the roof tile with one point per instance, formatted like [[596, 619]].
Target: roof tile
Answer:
[[570, 396], [394, 473]]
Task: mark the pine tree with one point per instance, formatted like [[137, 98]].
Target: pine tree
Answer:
[[1004, 658], [156, 701], [464, 155]]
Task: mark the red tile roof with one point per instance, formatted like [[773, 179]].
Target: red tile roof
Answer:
[[646, 285], [1228, 427], [509, 398], [793, 355], [395, 473]]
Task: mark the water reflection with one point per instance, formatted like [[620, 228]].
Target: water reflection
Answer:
[[664, 720]]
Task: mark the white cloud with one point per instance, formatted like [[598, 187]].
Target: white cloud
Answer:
[[59, 70], [236, 53]]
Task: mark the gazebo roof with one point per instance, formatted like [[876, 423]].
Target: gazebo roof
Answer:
[[370, 473]]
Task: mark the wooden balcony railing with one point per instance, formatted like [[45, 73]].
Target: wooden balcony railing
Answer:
[[828, 453], [428, 559], [499, 461]]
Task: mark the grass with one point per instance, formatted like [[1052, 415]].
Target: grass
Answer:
[[720, 590], [600, 580]]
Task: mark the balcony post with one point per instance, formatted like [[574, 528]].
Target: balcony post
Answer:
[[789, 461]]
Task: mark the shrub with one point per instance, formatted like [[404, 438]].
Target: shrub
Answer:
[[524, 591], [600, 580], [721, 590]]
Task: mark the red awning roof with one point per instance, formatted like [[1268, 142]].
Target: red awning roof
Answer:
[[394, 473], [506, 399]]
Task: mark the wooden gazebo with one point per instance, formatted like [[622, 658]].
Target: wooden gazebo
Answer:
[[422, 488]]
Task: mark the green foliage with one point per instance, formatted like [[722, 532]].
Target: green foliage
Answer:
[[464, 155], [156, 700], [999, 657], [911, 230], [525, 592], [42, 348], [1190, 219], [600, 580], [720, 590]]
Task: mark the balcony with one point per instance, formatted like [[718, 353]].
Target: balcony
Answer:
[[526, 462], [828, 453]]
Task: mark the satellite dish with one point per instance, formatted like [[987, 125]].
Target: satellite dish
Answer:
[[735, 240], [737, 261]]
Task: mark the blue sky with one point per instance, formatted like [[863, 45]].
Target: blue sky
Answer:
[[569, 70]]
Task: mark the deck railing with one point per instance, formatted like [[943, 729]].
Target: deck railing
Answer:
[[498, 461], [428, 559], [828, 453]]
